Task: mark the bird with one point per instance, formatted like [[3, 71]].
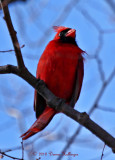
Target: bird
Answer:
[[61, 67]]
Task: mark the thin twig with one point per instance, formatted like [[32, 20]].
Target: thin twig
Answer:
[[102, 152], [3, 153], [22, 150], [11, 50]]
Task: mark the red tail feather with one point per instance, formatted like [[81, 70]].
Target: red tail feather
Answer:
[[40, 123]]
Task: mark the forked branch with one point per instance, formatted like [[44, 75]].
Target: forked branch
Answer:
[[53, 101]]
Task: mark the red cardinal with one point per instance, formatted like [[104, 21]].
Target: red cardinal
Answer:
[[61, 68]]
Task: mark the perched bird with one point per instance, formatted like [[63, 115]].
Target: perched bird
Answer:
[[61, 67]]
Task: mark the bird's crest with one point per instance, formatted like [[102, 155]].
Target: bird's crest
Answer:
[[59, 28]]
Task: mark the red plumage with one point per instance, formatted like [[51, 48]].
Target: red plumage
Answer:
[[61, 68]]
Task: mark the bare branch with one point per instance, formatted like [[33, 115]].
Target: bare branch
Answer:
[[11, 1], [60, 19], [100, 43], [13, 36], [90, 112], [22, 150], [102, 152], [11, 50], [3, 153], [58, 104], [106, 109], [111, 3], [8, 69], [105, 84]]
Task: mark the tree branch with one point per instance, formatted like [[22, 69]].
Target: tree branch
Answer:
[[4, 154], [8, 69], [11, 50], [13, 33], [111, 3], [58, 104]]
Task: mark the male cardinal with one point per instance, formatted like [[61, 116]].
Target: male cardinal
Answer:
[[61, 68]]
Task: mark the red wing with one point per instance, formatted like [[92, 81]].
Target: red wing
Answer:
[[78, 82]]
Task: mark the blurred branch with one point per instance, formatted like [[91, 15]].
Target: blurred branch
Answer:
[[104, 85], [95, 105], [106, 109], [71, 140], [111, 3], [100, 43], [60, 18]]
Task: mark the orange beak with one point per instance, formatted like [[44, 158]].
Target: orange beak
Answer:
[[71, 33]]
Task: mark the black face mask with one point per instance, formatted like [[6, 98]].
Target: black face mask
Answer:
[[65, 39]]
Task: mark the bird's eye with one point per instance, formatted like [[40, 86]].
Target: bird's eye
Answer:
[[60, 34], [63, 33]]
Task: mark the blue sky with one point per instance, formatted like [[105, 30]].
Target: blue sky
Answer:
[[33, 23]]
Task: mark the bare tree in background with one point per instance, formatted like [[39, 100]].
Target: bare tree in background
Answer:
[[14, 96]]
